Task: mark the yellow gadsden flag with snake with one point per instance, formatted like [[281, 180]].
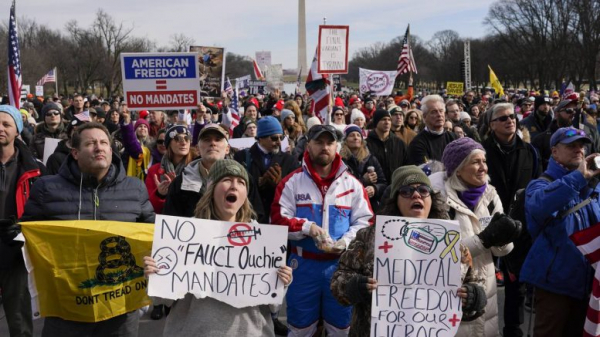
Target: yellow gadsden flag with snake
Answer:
[[87, 271]]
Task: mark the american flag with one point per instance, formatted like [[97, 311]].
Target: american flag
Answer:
[[49, 77], [228, 88], [14, 61], [318, 89], [232, 117], [257, 73], [588, 243], [406, 62]]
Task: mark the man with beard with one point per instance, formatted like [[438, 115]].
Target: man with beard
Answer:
[[19, 169], [539, 121], [430, 143], [52, 127], [564, 116], [323, 206], [265, 161]]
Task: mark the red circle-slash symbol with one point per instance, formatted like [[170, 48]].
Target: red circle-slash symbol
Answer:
[[240, 234]]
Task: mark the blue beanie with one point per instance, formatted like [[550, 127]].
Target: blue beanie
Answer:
[[15, 114], [285, 113], [268, 126], [352, 128]]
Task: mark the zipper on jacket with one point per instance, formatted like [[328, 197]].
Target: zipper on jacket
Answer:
[[96, 200]]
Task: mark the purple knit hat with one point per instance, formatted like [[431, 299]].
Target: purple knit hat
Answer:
[[457, 151], [141, 121]]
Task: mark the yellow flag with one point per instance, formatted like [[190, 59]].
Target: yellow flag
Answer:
[[495, 82], [87, 271]]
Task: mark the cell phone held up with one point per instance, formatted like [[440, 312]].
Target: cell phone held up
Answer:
[[596, 163]]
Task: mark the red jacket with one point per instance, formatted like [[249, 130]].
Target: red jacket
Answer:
[[29, 169], [157, 201]]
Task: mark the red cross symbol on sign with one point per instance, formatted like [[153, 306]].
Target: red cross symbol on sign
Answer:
[[385, 247], [454, 320]]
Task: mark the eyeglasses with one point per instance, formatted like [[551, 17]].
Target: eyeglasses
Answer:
[[276, 138], [160, 142], [408, 191], [568, 111], [55, 113], [504, 118], [180, 139], [338, 114]]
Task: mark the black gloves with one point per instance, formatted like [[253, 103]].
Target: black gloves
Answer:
[[475, 302], [9, 229], [501, 230], [356, 289]]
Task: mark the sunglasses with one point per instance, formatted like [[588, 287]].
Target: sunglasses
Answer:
[[276, 138], [408, 191], [338, 114], [568, 111], [50, 113], [180, 139], [160, 142], [504, 118]]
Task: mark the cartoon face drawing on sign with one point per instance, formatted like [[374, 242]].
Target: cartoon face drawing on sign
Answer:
[[166, 260]]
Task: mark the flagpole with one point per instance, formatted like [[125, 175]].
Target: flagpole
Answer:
[[328, 84], [56, 80]]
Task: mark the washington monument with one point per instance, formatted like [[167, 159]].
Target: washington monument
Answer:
[[302, 37]]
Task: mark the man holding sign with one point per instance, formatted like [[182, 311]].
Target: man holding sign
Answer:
[[91, 185], [323, 206]]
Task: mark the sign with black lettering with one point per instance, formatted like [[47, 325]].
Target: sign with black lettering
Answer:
[[235, 263], [417, 268], [332, 53]]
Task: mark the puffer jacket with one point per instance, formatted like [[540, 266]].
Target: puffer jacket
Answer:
[[71, 195], [554, 263], [483, 265]]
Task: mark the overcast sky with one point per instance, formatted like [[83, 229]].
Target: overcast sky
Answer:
[[244, 27]]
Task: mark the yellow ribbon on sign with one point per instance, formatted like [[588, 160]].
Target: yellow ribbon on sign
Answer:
[[450, 243]]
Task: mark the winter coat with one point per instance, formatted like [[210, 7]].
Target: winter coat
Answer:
[[39, 139], [554, 263], [301, 198], [69, 195], [133, 148], [428, 146], [391, 153], [252, 160], [404, 133], [483, 265], [29, 170], [58, 157], [188, 187], [359, 169], [533, 124]]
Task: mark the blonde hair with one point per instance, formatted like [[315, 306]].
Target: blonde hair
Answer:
[[205, 208], [293, 105], [361, 154]]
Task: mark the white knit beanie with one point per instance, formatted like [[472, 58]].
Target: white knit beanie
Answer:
[[312, 121], [356, 114]]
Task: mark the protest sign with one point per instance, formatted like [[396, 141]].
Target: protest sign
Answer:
[[50, 145], [243, 85], [257, 87], [160, 80], [455, 88], [211, 65], [234, 263], [242, 143], [417, 268], [98, 275], [39, 90], [380, 83], [332, 53], [274, 76]]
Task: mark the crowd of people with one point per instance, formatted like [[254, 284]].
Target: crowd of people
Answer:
[[515, 171]]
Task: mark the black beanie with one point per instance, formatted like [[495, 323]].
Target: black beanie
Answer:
[[378, 115]]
